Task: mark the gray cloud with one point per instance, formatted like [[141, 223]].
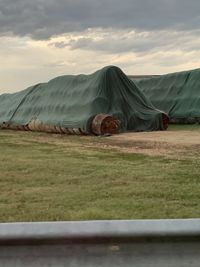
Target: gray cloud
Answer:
[[42, 19], [117, 42]]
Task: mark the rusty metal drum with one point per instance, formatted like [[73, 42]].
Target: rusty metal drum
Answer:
[[105, 124]]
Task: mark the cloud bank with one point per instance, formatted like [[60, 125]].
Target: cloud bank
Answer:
[[42, 19], [42, 39]]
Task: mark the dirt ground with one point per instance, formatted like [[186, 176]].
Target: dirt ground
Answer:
[[169, 143]]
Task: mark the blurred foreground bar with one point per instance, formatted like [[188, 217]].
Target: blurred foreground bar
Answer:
[[124, 243]]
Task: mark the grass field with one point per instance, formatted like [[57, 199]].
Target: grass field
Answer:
[[59, 177]]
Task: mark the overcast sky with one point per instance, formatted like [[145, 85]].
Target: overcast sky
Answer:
[[41, 39]]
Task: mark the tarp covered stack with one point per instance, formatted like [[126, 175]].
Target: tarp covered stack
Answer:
[[77, 104], [178, 94]]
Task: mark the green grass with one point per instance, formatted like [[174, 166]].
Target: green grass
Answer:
[[54, 177], [185, 127]]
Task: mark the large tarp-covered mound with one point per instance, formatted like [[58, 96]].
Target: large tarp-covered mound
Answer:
[[178, 94], [70, 104]]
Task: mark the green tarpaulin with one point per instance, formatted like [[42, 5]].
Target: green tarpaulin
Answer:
[[178, 94], [73, 101]]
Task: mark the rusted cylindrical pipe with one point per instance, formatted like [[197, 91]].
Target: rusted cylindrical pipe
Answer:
[[165, 119], [105, 124]]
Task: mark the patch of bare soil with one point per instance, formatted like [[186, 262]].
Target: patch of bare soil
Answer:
[[167, 143], [174, 144]]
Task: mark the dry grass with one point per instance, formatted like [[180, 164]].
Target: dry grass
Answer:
[[57, 177]]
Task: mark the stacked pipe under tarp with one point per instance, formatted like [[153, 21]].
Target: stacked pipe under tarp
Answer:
[[177, 94], [106, 101]]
